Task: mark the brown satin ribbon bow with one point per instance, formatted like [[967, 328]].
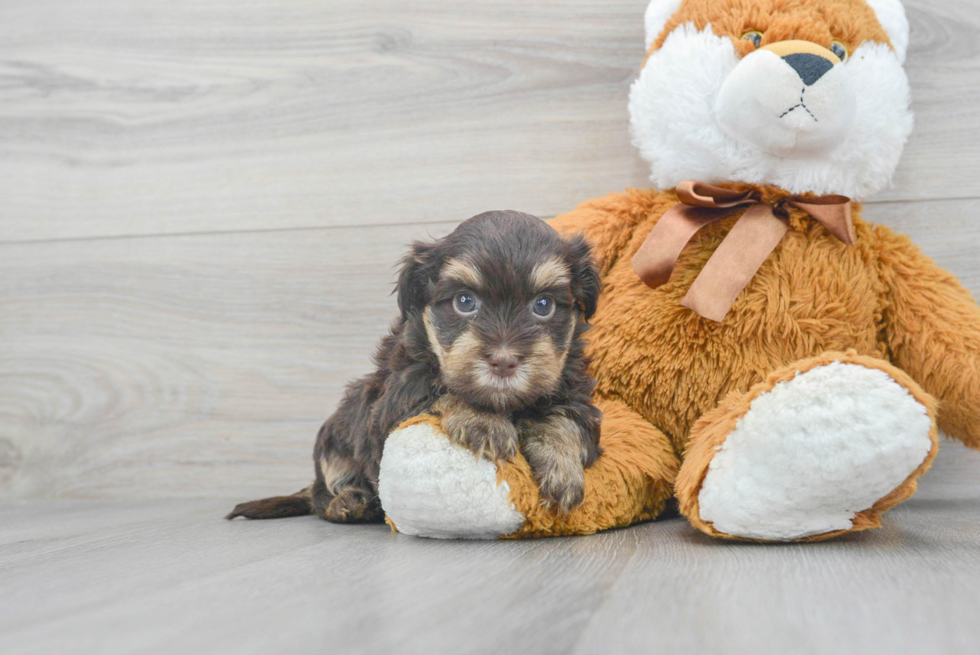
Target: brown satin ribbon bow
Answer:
[[741, 253]]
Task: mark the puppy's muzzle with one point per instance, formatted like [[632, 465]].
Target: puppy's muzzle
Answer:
[[503, 364]]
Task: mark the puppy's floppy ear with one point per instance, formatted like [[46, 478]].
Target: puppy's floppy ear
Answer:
[[586, 283], [414, 285]]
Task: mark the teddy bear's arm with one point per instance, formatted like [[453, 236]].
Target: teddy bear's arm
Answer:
[[932, 325], [608, 222]]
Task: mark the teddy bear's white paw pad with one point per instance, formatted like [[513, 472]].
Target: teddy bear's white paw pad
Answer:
[[813, 452], [430, 487]]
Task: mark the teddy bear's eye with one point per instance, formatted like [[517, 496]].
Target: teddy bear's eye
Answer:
[[839, 49], [754, 36]]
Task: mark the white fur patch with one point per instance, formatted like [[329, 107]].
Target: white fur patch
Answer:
[[430, 487], [764, 103], [813, 452], [891, 15], [674, 124], [656, 16]]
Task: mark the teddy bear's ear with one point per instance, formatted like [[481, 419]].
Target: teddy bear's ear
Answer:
[[657, 14], [891, 15]]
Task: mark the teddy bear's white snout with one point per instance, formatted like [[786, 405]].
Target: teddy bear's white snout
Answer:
[[794, 106]]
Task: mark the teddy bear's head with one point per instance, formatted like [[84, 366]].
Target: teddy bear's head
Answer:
[[806, 95]]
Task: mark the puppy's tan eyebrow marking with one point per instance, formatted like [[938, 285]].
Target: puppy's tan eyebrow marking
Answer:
[[460, 271], [550, 273]]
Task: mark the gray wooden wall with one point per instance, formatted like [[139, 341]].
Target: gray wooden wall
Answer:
[[201, 204]]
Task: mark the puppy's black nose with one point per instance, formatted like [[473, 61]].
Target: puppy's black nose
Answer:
[[809, 67], [503, 364]]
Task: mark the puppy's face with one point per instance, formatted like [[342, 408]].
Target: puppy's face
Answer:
[[501, 333], [504, 296]]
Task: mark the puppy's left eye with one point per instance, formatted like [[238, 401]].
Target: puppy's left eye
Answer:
[[465, 303], [543, 307]]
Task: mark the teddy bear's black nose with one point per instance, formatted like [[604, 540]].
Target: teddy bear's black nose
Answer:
[[809, 67]]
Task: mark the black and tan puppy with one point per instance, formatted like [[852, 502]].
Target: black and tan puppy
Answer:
[[489, 337]]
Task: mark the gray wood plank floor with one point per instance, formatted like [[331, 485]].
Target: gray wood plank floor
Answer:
[[169, 576]]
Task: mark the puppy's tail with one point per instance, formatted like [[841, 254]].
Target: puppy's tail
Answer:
[[277, 507]]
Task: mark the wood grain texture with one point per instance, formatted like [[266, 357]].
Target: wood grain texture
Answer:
[[940, 158], [170, 365], [170, 576], [167, 117]]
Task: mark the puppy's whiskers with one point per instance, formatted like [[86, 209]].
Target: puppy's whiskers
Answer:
[[518, 382]]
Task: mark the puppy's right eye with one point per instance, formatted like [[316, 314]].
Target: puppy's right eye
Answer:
[[465, 304], [543, 307]]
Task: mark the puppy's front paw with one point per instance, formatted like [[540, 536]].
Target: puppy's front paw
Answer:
[[485, 434], [554, 449], [488, 435], [562, 490]]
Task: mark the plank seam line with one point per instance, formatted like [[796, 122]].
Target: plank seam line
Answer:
[[157, 235], [312, 228]]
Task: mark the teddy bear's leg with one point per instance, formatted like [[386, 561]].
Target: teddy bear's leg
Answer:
[[631, 481], [821, 447], [432, 487]]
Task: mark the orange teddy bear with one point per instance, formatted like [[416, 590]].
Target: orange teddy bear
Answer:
[[762, 354]]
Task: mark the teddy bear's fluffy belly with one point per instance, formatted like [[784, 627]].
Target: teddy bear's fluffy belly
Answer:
[[672, 365]]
